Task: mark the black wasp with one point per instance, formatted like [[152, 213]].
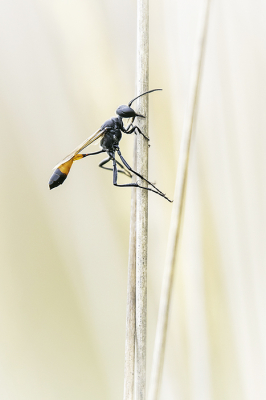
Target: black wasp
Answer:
[[111, 134]]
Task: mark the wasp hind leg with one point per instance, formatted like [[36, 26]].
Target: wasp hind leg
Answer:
[[122, 171], [158, 191], [115, 171]]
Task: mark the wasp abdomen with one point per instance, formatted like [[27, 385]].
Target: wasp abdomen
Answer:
[[57, 178]]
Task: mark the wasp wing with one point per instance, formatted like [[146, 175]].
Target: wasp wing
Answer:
[[98, 134]]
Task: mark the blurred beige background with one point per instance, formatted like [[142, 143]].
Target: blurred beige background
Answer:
[[65, 66]]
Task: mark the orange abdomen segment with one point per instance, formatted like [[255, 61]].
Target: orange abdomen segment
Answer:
[[60, 174], [62, 171]]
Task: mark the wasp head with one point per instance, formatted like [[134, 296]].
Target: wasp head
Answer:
[[127, 112]]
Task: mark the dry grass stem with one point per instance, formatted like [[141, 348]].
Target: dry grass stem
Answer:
[[142, 197], [131, 300], [177, 208]]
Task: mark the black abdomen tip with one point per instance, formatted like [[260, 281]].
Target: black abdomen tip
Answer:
[[57, 178]]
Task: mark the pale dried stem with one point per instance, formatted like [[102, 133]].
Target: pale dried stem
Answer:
[[137, 275], [178, 204], [142, 197], [131, 300]]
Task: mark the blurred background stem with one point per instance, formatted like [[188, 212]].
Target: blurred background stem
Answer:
[[178, 206]]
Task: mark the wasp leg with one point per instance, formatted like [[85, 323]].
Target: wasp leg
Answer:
[[92, 154], [132, 184], [134, 129], [130, 125], [140, 176], [123, 171]]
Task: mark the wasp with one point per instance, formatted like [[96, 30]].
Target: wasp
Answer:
[[110, 134]]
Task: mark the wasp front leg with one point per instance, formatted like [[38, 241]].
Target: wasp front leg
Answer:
[[134, 129]]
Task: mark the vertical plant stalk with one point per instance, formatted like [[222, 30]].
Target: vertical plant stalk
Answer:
[[142, 197], [131, 299], [178, 206]]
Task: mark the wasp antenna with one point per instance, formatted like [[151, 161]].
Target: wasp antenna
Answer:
[[149, 91]]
